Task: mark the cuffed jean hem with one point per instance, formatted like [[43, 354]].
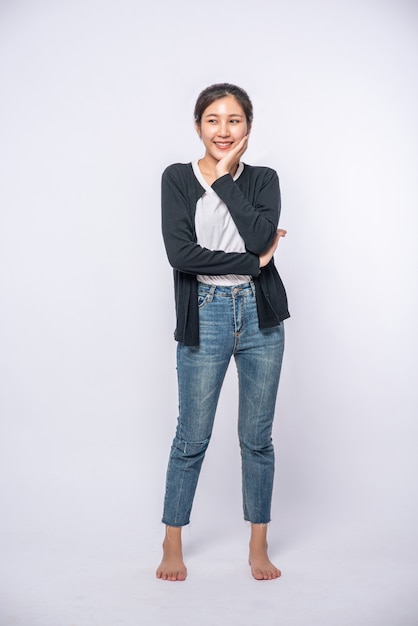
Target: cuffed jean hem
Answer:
[[175, 525]]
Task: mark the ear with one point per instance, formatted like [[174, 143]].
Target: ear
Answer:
[[198, 130]]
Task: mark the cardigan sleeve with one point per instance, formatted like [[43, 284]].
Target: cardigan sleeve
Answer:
[[179, 235], [256, 220]]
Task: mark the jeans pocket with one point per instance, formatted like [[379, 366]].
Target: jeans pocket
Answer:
[[202, 299]]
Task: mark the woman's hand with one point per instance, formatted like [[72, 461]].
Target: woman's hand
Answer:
[[229, 164], [267, 255]]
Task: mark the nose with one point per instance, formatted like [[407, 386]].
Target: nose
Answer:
[[223, 129]]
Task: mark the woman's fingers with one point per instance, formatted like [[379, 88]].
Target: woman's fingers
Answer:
[[231, 160], [266, 257]]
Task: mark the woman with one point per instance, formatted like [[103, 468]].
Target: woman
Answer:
[[219, 221]]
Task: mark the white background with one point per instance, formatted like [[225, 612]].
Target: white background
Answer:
[[96, 99]]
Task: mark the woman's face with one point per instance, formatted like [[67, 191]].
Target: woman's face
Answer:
[[223, 125]]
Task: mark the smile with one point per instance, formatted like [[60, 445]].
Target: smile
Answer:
[[223, 145]]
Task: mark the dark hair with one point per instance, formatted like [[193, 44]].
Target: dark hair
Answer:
[[220, 90]]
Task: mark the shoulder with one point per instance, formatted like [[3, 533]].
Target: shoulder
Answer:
[[257, 172], [178, 171], [260, 178], [179, 178]]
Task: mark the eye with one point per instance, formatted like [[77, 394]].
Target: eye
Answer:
[[211, 121], [235, 121]]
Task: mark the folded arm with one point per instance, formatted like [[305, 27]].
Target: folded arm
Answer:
[[183, 252]]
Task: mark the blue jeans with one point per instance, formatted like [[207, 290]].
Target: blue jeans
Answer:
[[228, 325]]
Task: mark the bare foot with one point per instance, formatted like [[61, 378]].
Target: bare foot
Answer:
[[261, 566], [172, 566]]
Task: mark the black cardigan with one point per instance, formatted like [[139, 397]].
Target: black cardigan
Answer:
[[253, 201]]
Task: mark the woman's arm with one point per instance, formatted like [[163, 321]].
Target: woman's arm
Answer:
[[257, 219], [256, 223], [179, 235]]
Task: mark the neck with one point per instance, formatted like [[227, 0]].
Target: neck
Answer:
[[207, 166]]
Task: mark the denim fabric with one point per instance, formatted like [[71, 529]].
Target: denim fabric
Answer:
[[228, 326]]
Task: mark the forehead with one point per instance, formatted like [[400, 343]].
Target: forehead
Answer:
[[227, 105]]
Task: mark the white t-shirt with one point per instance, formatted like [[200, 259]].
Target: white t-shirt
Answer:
[[216, 230]]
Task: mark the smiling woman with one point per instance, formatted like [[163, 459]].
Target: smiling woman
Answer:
[[223, 117], [223, 127], [219, 220]]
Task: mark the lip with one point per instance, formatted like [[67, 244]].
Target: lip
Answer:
[[223, 145]]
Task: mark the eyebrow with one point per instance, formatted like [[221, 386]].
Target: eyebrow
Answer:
[[230, 115]]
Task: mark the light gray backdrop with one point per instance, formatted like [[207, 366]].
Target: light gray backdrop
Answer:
[[96, 99]]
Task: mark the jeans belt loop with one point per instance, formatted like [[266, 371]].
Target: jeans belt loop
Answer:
[[211, 293]]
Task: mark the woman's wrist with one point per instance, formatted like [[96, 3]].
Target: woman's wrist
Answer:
[[221, 173]]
